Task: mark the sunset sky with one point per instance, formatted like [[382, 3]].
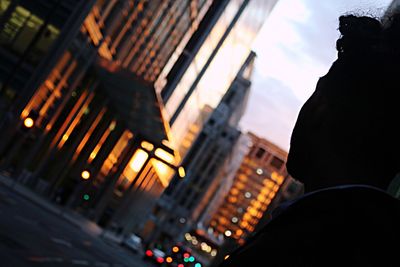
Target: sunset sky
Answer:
[[295, 47]]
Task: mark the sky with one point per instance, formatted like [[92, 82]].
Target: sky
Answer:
[[295, 47]]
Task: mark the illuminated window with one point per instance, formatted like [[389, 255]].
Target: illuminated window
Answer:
[[115, 153], [4, 5], [21, 29]]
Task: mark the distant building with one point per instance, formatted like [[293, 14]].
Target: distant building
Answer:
[[81, 121], [256, 184], [185, 201], [260, 184], [100, 101], [33, 37], [208, 65]]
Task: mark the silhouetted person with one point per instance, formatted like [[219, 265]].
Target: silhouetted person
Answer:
[[345, 148]]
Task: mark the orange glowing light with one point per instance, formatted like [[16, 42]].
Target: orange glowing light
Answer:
[[148, 146], [181, 172], [138, 160], [168, 259], [85, 175], [175, 249], [164, 155], [28, 122]]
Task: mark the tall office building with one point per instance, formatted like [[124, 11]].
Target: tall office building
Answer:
[[33, 35], [255, 186], [185, 201], [208, 65], [245, 202], [88, 128]]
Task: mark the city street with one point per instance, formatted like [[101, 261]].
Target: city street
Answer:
[[33, 236]]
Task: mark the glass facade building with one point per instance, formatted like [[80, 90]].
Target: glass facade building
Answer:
[[87, 119], [213, 68]]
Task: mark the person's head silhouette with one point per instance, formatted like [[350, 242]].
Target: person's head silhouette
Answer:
[[346, 132]]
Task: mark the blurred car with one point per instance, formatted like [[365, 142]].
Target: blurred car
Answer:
[[134, 243], [155, 255]]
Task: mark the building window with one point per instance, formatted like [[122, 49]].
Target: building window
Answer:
[[3, 6], [276, 163], [260, 153], [21, 28]]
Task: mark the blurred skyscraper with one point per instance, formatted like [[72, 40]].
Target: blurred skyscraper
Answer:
[[209, 64], [81, 121], [259, 186], [101, 100], [185, 201]]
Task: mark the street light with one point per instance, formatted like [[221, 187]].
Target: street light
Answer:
[[181, 172], [28, 122], [85, 175]]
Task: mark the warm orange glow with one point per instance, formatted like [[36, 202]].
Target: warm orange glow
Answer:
[[261, 197], [88, 134], [247, 217], [112, 125], [226, 257], [234, 191], [93, 29], [65, 137], [148, 146], [168, 259], [28, 122], [105, 52], [47, 92], [244, 224], [116, 152], [76, 120], [277, 177], [181, 172], [99, 145], [232, 199], [175, 249], [268, 183], [240, 185], [85, 175], [164, 172], [138, 159], [243, 177], [164, 155], [276, 188]]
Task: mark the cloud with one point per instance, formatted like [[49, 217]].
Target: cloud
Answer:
[[271, 111], [295, 47]]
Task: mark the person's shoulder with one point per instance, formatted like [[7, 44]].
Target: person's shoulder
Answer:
[[350, 198], [324, 224]]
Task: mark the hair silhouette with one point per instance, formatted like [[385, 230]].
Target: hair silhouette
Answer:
[[346, 132]]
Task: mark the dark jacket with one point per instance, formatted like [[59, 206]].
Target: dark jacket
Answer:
[[342, 226]]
